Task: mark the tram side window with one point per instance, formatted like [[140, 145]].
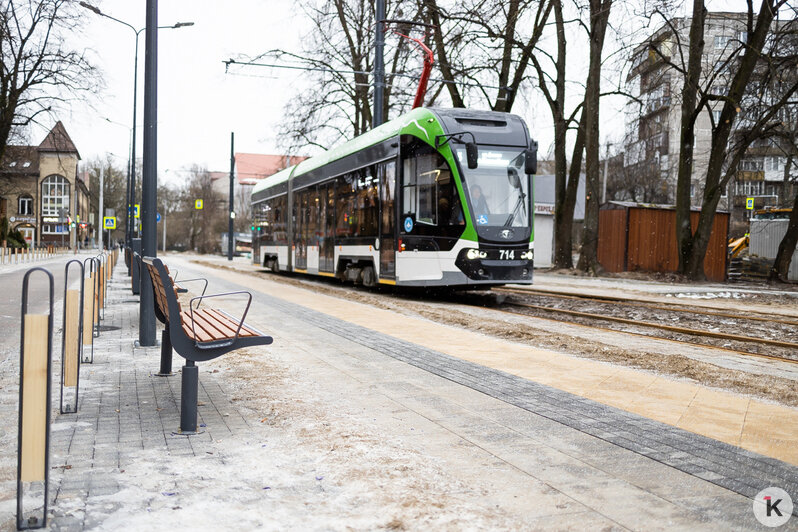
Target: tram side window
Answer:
[[428, 192], [344, 208], [367, 202]]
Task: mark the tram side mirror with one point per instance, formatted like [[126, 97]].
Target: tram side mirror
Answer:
[[472, 155], [513, 177], [531, 159]]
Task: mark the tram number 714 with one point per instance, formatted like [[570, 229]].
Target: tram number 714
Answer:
[[506, 254]]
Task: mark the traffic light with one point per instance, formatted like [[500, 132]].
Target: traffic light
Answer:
[[251, 227]]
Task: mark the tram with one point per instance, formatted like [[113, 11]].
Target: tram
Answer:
[[436, 197]]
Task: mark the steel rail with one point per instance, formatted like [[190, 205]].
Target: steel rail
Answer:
[[657, 306], [671, 328]]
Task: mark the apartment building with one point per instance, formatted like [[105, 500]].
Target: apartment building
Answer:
[[653, 119]]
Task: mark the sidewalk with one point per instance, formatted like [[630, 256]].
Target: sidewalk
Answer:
[[338, 426]]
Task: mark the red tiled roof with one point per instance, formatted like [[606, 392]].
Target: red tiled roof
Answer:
[[57, 140], [252, 167], [218, 175]]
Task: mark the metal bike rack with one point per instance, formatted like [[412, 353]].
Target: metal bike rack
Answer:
[[72, 338], [33, 436]]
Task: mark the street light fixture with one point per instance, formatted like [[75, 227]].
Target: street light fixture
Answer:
[[131, 173]]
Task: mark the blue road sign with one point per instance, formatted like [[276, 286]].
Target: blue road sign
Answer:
[[157, 216], [408, 224]]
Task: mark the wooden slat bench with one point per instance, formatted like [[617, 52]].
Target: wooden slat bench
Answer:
[[197, 334]]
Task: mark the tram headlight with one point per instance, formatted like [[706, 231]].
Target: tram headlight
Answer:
[[528, 255], [474, 254]]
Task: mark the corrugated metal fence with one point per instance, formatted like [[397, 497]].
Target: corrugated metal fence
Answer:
[[643, 238], [765, 237]]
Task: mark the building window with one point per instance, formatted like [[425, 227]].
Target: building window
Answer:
[[55, 195], [55, 229], [774, 164], [721, 41], [25, 205], [752, 164]]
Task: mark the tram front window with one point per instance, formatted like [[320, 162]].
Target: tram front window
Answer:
[[498, 189]]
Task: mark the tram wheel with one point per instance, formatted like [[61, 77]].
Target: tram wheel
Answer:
[[369, 277]]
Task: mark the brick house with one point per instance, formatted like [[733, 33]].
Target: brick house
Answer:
[[41, 190]]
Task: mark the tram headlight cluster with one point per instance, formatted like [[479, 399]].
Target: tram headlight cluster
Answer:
[[528, 255], [474, 254]]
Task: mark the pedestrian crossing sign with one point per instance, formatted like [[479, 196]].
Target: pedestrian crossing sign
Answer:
[[136, 211], [198, 204], [109, 222], [749, 203]]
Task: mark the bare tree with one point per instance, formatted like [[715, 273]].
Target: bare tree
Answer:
[[39, 71], [204, 225], [599, 17], [700, 94], [339, 54], [114, 187], [489, 44]]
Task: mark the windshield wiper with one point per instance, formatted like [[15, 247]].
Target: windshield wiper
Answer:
[[515, 181]]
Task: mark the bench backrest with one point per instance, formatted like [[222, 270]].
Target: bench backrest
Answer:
[[161, 286]]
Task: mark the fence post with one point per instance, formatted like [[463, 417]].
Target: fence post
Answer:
[[71, 339], [33, 437]]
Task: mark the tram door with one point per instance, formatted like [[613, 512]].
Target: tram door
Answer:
[[327, 228], [387, 176], [301, 230]]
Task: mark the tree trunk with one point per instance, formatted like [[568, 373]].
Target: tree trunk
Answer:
[[694, 246], [588, 257], [786, 248], [565, 204], [684, 230]]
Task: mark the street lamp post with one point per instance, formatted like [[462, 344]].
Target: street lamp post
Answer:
[[131, 173]]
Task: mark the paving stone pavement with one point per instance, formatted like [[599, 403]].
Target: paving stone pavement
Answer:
[[736, 469], [125, 408], [730, 467]]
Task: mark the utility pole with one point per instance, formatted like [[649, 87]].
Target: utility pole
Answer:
[[149, 181], [232, 213], [102, 212], [379, 65], [163, 219], [606, 176]]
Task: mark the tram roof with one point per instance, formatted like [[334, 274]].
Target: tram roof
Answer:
[[375, 136]]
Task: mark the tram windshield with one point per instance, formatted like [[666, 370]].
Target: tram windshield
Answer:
[[498, 189]]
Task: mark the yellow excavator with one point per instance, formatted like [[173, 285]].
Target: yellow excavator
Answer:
[[737, 245]]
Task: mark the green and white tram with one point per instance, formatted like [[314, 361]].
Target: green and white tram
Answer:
[[436, 197]]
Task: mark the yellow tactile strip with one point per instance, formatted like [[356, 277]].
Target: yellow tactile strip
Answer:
[[765, 428]]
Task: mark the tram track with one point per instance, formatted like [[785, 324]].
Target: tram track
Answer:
[[741, 344], [749, 315]]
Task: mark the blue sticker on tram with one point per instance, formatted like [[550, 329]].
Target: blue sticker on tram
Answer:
[[482, 219], [408, 224]]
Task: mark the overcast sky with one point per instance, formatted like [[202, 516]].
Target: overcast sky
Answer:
[[198, 104]]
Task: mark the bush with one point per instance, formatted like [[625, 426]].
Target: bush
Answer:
[[13, 239]]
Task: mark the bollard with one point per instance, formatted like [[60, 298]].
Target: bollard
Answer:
[[135, 268], [71, 339], [33, 437], [88, 310]]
